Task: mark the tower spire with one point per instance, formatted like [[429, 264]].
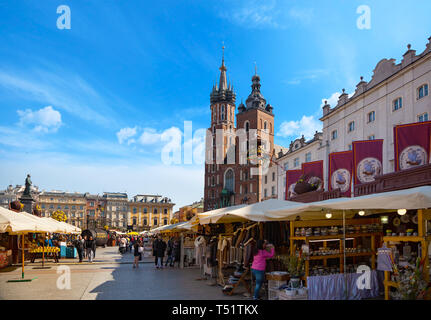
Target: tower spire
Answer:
[[223, 81]]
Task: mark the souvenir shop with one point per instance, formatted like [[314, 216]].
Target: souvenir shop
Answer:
[[347, 248]]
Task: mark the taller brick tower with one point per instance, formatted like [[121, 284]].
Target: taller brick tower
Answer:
[[231, 177]]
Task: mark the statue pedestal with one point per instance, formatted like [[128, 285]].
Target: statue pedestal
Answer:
[[28, 203]]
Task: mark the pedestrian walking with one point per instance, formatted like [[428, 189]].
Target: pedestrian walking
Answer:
[[155, 241], [138, 249], [84, 253], [169, 252], [160, 252], [176, 252], [79, 247], [89, 249]]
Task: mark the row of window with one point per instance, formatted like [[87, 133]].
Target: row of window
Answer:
[[266, 178], [265, 192], [296, 161], [371, 117], [145, 221], [145, 210], [224, 110], [66, 207]]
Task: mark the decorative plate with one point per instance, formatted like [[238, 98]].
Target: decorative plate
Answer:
[[405, 218], [415, 219], [396, 222]]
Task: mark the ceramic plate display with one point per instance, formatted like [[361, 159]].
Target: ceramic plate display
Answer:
[[405, 219], [396, 222], [415, 219]]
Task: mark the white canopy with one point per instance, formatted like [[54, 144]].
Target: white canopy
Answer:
[[413, 198], [214, 215], [253, 212], [22, 222]]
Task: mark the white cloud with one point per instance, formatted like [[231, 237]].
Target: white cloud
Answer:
[[125, 134], [332, 100], [254, 14], [150, 136], [307, 126], [44, 120]]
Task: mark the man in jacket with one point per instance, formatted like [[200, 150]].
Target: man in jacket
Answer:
[[160, 252], [79, 247], [169, 252], [88, 245]]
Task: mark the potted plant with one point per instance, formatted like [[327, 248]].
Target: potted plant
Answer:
[[411, 282], [295, 267]]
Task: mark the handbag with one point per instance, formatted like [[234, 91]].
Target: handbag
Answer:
[[140, 249]]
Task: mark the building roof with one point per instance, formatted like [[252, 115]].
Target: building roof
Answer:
[[384, 70]]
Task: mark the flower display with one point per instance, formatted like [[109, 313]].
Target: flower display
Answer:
[[59, 216]]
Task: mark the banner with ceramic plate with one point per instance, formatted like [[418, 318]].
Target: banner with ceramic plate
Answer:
[[314, 170], [367, 160], [412, 145], [341, 172], [292, 176]]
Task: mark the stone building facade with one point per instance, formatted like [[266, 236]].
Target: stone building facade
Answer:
[[116, 209], [72, 204], [396, 94], [149, 211]]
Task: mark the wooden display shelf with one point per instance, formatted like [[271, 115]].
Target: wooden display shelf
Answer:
[[406, 238], [336, 237], [340, 255]]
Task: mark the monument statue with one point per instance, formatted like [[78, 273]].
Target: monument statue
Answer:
[[27, 186]]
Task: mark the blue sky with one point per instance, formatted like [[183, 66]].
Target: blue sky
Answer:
[[86, 109]]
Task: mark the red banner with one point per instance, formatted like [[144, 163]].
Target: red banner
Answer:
[[367, 160], [292, 177], [341, 172], [412, 143], [314, 170]]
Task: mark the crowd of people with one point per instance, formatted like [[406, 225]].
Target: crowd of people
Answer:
[[160, 248]]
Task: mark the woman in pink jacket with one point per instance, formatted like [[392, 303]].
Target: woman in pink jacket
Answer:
[[262, 251]]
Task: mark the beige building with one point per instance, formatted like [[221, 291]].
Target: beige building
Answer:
[[116, 209], [149, 211], [72, 204], [396, 94]]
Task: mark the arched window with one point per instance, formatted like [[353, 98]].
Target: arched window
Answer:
[[155, 210], [265, 125], [229, 180], [247, 126], [222, 112]]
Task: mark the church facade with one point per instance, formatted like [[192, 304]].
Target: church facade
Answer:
[[233, 171]]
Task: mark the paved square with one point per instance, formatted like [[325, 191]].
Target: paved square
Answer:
[[111, 276]]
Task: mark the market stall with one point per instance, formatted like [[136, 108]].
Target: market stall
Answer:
[[243, 226], [404, 210], [16, 223]]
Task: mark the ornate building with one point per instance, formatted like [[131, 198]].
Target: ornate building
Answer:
[[232, 174], [72, 204], [149, 211]]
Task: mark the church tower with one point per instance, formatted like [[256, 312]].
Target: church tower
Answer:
[[255, 117], [219, 184], [231, 176]]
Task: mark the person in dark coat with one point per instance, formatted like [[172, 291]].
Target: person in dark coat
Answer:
[[155, 250], [160, 252], [89, 245], [79, 247], [176, 252], [170, 247]]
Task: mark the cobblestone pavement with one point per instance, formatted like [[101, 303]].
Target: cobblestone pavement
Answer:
[[111, 276]]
